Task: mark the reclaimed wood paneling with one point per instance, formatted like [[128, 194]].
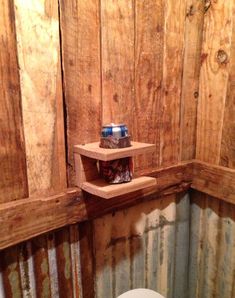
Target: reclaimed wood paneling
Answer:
[[37, 31], [80, 29], [40, 74], [71, 207], [117, 61], [148, 49], [171, 82], [190, 80], [214, 74], [13, 180], [227, 154], [214, 180]]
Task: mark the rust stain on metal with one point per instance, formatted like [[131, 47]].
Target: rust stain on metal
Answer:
[[14, 280], [67, 267]]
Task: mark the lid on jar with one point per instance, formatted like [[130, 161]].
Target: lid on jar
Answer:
[[113, 125]]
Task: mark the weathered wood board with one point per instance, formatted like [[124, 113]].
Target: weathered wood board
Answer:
[[13, 180]]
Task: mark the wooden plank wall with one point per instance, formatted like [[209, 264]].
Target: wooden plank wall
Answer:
[[33, 145], [212, 254], [163, 67]]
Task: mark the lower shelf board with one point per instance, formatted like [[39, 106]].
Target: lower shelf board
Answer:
[[107, 191]]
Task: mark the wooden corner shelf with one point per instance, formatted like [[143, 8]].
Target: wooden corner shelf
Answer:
[[92, 150], [107, 191], [87, 176]]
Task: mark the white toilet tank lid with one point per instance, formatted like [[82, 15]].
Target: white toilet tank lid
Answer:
[[140, 293]]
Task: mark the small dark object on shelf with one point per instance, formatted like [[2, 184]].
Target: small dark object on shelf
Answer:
[[114, 143], [116, 171]]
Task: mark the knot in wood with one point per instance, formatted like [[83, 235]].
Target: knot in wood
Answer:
[[207, 5], [191, 11], [222, 57]]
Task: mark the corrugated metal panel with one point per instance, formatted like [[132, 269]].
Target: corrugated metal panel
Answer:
[[212, 248], [144, 246], [47, 266], [147, 245]]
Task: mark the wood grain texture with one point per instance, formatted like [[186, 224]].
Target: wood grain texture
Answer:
[[70, 207], [171, 81], [40, 74], [13, 182], [107, 191], [215, 60], [149, 22], [190, 81], [227, 154], [93, 150], [117, 43], [38, 42], [80, 28], [214, 180]]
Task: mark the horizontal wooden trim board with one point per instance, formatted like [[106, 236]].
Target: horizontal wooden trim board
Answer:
[[214, 180], [26, 218]]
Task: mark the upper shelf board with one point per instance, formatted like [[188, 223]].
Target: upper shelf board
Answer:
[[93, 150]]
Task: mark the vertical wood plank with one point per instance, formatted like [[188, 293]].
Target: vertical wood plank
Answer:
[[215, 59], [13, 182], [227, 154], [40, 73], [190, 81], [38, 44], [117, 36], [80, 32], [149, 24], [172, 78], [80, 28]]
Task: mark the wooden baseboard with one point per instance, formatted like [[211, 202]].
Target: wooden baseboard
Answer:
[[24, 219]]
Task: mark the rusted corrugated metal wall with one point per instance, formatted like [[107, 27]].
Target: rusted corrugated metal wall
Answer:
[[143, 246], [212, 248], [48, 266]]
